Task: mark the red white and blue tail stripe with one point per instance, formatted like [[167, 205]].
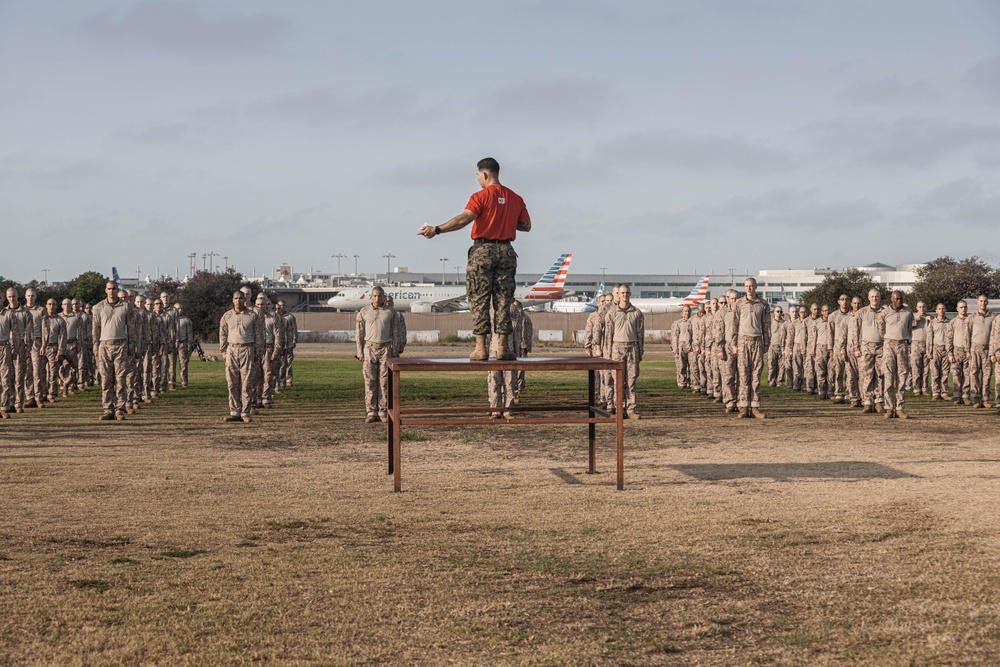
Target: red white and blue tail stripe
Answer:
[[551, 286], [698, 294]]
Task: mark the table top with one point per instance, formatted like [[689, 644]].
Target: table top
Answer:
[[580, 363]]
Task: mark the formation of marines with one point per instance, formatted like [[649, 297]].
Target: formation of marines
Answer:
[[865, 355], [256, 343]]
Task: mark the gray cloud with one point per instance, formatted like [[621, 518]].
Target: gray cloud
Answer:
[[888, 90], [426, 175], [672, 148], [555, 101], [324, 106], [985, 75], [960, 202], [180, 27], [603, 12], [914, 142], [755, 9], [775, 212], [49, 174]]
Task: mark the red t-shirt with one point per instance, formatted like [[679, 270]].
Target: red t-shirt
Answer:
[[498, 209]]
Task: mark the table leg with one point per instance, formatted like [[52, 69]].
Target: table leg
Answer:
[[619, 403], [591, 428], [396, 426], [391, 400]]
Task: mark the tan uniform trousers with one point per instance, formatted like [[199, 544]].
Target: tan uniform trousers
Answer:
[[809, 371], [798, 368], [787, 374], [239, 366], [168, 374], [980, 373], [871, 370], [629, 353], [774, 364], [156, 372], [6, 377], [751, 364], [727, 375], [112, 358], [271, 369], [896, 365], [51, 370], [183, 357], [836, 377], [940, 367], [22, 365], [960, 373], [500, 386], [821, 364], [694, 376], [35, 379], [682, 359], [286, 369], [919, 367], [715, 376], [69, 372], [376, 375], [853, 377]]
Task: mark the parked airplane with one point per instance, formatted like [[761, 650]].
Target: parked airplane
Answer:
[[567, 306], [550, 287], [673, 304]]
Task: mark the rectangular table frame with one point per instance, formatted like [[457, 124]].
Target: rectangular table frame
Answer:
[[398, 416]]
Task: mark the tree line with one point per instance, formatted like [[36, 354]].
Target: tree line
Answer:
[[945, 280]]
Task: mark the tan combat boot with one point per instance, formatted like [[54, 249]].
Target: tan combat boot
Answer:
[[757, 414], [504, 353], [480, 353]]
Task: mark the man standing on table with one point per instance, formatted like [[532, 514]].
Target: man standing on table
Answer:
[[499, 213]]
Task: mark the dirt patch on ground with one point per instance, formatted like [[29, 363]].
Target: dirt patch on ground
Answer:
[[817, 537]]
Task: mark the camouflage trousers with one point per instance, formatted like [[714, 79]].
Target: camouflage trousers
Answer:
[[694, 374], [682, 359], [69, 372], [157, 369], [896, 365], [727, 375], [809, 371], [835, 379], [36, 374], [183, 357], [271, 369], [821, 364], [919, 367], [146, 386], [168, 375], [714, 373], [750, 364], [22, 362], [980, 373], [239, 366], [774, 366], [286, 367], [489, 281], [872, 383], [960, 373], [376, 375], [6, 377], [52, 364], [629, 353], [798, 368], [853, 378], [500, 386], [112, 358], [940, 367]]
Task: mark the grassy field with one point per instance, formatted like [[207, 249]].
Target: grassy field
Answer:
[[821, 536]]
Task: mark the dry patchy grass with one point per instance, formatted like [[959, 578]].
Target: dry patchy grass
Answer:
[[818, 537]]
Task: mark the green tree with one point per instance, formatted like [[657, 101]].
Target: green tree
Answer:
[[852, 282], [947, 280], [206, 296], [168, 285], [88, 287]]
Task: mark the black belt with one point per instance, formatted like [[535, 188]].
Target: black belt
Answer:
[[481, 241]]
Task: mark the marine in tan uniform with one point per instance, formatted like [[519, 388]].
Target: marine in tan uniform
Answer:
[[938, 334], [980, 365], [681, 341], [241, 342], [870, 354], [159, 340], [291, 340], [700, 332], [777, 347], [809, 361], [896, 325], [854, 354], [728, 361], [111, 333], [800, 349], [713, 367], [787, 354], [36, 373], [601, 334], [168, 373], [373, 328], [88, 364], [995, 357], [958, 353], [821, 349], [398, 328], [592, 346], [838, 357], [274, 342], [10, 334], [139, 345], [21, 349], [55, 344], [70, 371], [919, 352], [626, 329], [184, 343], [749, 341]]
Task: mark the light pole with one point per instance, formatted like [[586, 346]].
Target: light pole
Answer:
[[210, 256], [443, 260], [604, 271], [192, 263], [204, 257], [226, 258], [388, 258], [339, 257], [356, 264], [456, 274], [46, 272]]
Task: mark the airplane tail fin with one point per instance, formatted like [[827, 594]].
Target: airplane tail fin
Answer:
[[698, 294], [597, 295], [116, 277], [551, 285]]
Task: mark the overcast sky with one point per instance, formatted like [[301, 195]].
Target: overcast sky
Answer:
[[646, 137]]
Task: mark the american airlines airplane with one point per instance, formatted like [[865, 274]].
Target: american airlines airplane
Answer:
[[673, 304], [567, 306], [550, 287]]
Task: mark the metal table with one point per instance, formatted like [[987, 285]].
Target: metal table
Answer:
[[400, 416]]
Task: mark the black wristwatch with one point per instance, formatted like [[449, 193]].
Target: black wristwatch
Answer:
[[437, 230]]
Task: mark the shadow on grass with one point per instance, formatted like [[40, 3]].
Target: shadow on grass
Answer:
[[785, 472]]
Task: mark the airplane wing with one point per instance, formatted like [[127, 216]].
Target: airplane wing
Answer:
[[445, 303]]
